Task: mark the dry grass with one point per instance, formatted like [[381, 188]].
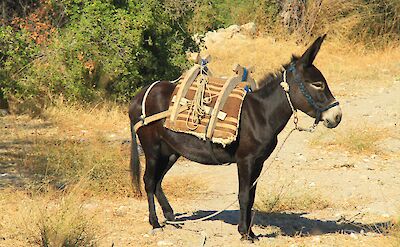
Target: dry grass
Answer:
[[63, 163], [187, 187], [98, 120], [54, 219], [356, 140], [289, 198], [78, 143]]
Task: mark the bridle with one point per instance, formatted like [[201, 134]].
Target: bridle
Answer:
[[318, 110]]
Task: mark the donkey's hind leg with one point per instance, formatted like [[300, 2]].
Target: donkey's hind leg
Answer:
[[150, 183], [167, 163], [159, 159]]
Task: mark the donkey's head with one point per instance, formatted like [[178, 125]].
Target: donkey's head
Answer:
[[309, 90]]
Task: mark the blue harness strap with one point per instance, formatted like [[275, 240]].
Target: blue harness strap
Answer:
[[247, 89], [244, 78], [203, 64], [245, 72]]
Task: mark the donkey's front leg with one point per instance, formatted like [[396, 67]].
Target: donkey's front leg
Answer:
[[248, 172]]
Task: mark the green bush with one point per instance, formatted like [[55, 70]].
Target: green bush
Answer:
[[108, 48], [214, 14], [17, 51]]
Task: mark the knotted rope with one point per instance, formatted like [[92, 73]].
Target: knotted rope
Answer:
[[196, 106]]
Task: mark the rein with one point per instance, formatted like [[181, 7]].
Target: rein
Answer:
[[319, 110]]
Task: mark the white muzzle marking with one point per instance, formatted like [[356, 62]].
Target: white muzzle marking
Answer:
[[332, 117]]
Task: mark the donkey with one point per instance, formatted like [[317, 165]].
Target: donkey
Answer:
[[265, 113]]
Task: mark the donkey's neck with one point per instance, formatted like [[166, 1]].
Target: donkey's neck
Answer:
[[274, 101]]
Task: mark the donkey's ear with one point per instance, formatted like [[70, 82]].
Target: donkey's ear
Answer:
[[309, 55]]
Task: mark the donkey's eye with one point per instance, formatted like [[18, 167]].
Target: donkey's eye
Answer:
[[318, 85]]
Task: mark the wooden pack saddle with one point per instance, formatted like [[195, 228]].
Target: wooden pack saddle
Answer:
[[209, 107]]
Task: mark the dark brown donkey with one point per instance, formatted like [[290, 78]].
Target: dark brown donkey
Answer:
[[265, 113]]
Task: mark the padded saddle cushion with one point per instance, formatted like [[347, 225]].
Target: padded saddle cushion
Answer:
[[227, 125]]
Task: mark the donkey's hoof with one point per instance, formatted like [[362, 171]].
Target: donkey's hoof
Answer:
[[251, 238], [169, 225]]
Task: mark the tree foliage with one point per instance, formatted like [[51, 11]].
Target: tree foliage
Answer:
[[106, 48]]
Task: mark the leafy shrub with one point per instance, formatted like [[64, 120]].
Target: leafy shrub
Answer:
[[17, 51], [108, 48], [210, 15]]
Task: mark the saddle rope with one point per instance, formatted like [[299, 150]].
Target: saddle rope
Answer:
[[196, 106], [143, 116], [146, 94]]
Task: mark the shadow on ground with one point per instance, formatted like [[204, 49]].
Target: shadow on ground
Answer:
[[16, 139], [292, 224]]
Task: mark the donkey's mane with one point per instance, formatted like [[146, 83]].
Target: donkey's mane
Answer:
[[276, 76]]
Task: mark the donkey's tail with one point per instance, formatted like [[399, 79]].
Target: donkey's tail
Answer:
[[135, 162]]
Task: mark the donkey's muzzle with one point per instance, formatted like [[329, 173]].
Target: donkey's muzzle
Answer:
[[332, 117]]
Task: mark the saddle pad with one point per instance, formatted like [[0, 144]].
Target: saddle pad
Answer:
[[227, 125]]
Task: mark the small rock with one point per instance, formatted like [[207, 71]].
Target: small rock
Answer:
[[316, 239], [164, 243], [232, 29], [249, 29], [354, 236], [121, 211], [146, 235], [3, 112], [90, 205], [312, 184]]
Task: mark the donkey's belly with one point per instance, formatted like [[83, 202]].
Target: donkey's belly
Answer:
[[198, 150]]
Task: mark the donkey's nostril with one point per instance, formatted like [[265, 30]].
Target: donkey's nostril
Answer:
[[327, 122], [338, 118]]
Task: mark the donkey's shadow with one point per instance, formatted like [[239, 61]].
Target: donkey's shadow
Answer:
[[292, 224]]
